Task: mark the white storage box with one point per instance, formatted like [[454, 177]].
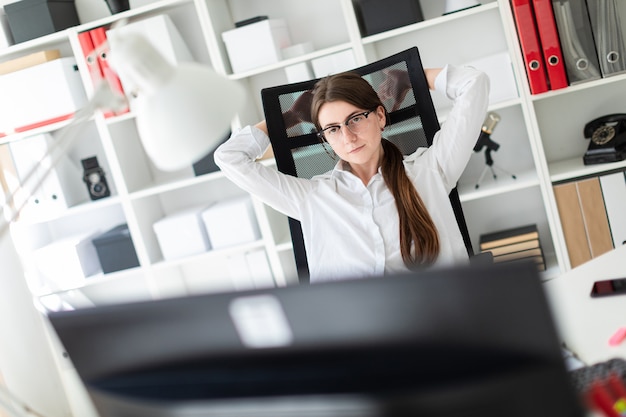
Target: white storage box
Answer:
[[257, 44], [250, 270], [298, 72], [297, 50], [40, 95], [67, 262], [334, 63], [231, 222], [182, 233]]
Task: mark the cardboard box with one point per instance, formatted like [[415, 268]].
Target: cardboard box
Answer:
[[182, 233], [256, 44], [29, 60], [30, 19], [231, 222], [115, 249], [40, 95]]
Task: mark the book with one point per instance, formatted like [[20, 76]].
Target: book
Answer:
[[539, 261], [508, 236], [515, 244], [514, 247], [528, 253]]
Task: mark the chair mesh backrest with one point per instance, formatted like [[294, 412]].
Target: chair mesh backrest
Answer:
[[299, 152]]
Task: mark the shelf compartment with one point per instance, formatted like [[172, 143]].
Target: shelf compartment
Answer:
[[431, 20], [501, 212]]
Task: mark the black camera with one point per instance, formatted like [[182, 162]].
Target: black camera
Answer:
[[93, 176]]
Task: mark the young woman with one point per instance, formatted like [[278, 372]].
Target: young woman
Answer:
[[376, 212]]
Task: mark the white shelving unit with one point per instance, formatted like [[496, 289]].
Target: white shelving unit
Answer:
[[540, 137]]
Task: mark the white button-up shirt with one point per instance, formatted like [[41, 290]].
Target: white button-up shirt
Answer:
[[351, 230]]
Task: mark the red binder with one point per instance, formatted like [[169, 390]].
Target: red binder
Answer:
[[531, 48], [99, 38], [92, 62], [550, 44]]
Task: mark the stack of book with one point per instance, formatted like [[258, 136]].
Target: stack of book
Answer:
[[512, 245]]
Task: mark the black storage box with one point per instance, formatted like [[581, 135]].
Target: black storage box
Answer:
[[206, 164], [30, 19], [116, 250], [377, 16]]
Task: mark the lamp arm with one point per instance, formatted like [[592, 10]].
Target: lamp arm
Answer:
[[104, 98], [15, 408]]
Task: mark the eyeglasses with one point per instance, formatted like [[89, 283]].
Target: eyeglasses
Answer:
[[355, 124]]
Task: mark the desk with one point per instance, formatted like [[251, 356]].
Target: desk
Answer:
[[585, 324]]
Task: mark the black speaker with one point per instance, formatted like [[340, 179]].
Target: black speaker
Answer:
[[93, 176]]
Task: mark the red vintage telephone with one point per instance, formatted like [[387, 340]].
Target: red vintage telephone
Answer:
[[607, 136]]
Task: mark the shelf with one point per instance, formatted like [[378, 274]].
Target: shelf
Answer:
[[142, 193], [437, 21], [578, 87], [287, 62], [90, 281], [575, 168], [212, 254], [37, 44], [129, 16], [52, 127], [490, 187]]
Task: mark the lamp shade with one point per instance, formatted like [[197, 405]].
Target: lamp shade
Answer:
[[182, 111]]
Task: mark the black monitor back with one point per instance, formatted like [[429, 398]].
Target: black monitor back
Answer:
[[449, 342]]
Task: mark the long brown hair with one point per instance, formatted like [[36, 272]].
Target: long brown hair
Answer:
[[416, 225]]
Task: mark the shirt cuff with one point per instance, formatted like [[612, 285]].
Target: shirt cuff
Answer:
[[441, 81]]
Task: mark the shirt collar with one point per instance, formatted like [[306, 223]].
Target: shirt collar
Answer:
[[342, 168]]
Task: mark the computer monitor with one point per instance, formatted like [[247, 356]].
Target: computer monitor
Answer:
[[465, 341]]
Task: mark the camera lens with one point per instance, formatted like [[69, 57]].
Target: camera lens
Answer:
[[98, 189]]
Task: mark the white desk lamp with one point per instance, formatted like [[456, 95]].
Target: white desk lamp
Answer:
[[182, 113]]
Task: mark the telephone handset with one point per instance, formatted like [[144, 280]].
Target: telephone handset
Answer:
[[607, 136]]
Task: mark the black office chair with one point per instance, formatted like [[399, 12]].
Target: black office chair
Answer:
[[299, 152]]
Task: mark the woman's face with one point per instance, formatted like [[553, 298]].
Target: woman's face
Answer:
[[357, 148]]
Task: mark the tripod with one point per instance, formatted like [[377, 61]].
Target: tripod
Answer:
[[485, 141], [489, 166]]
